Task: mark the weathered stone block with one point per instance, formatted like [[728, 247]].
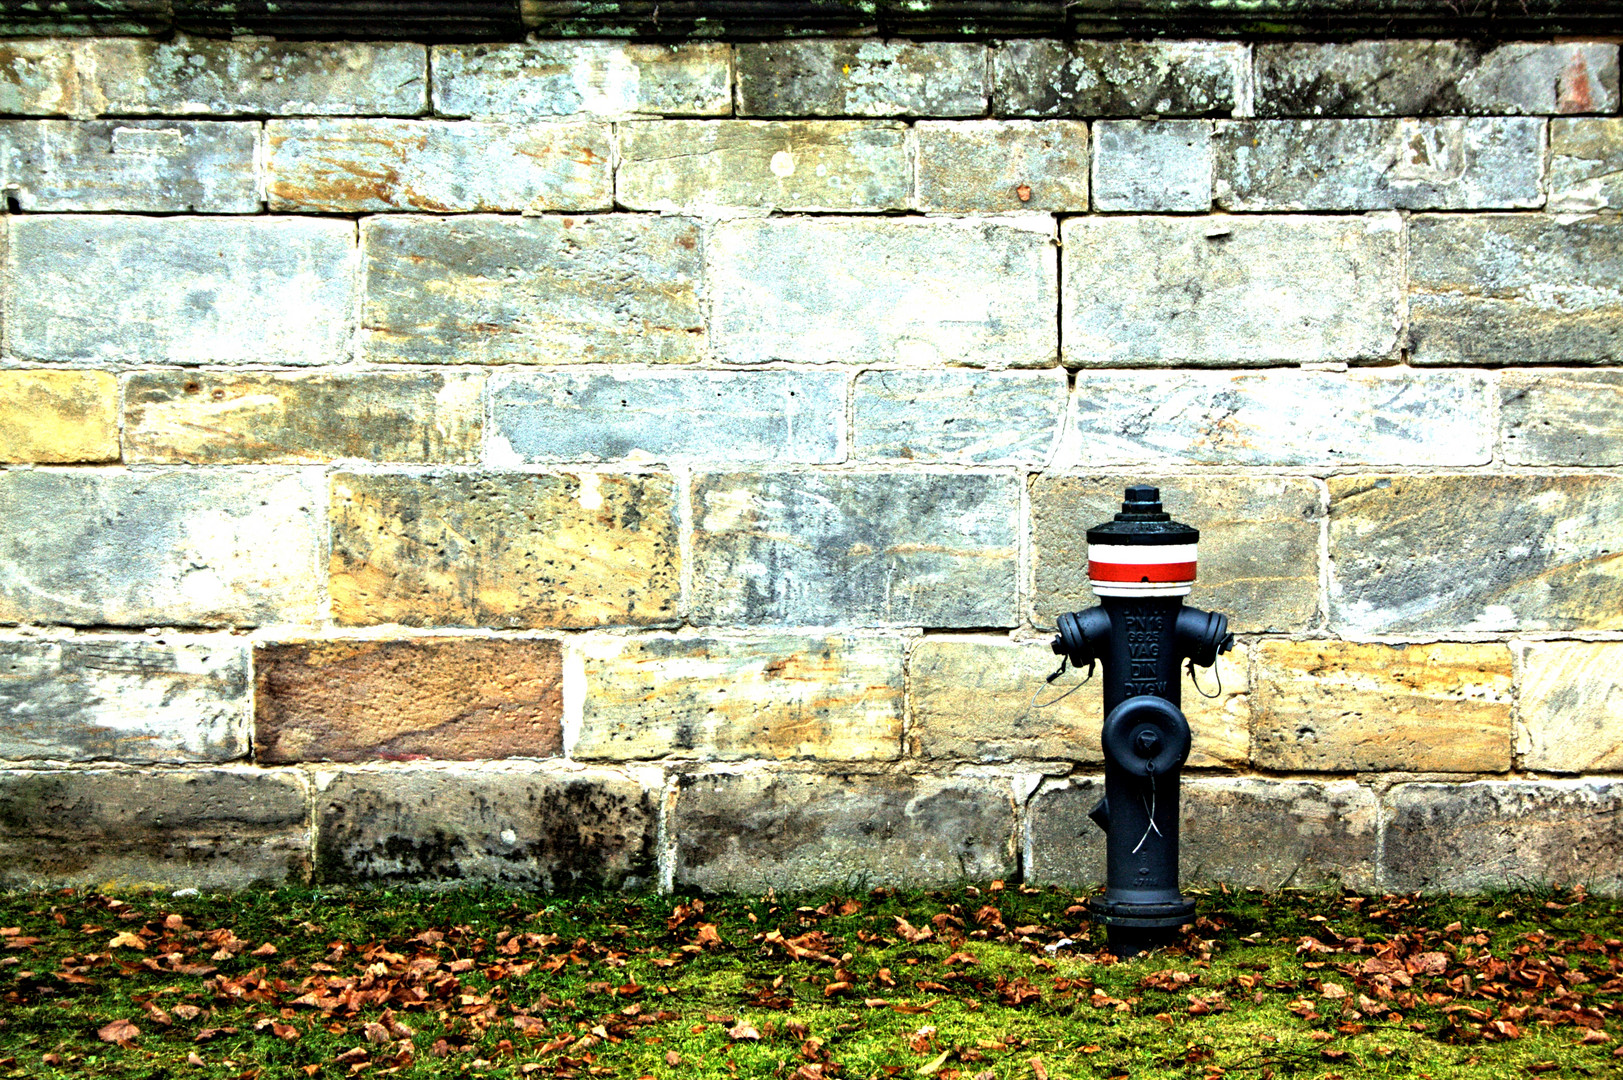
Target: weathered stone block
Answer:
[[1514, 288], [846, 77], [1478, 553], [883, 291], [972, 701], [197, 548], [1561, 417], [1282, 417], [1049, 77], [1158, 166], [151, 166], [1449, 164], [531, 826], [181, 290], [503, 550], [1259, 547], [766, 416], [1230, 290], [58, 416], [680, 165], [547, 290], [223, 828], [41, 77], [1469, 837], [1434, 78], [1586, 165], [828, 698], [608, 79], [125, 699], [1343, 706], [997, 166], [1570, 706], [962, 417], [458, 166], [751, 831], [460, 698], [821, 549]]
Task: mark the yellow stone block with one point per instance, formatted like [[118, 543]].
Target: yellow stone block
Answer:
[[56, 417]]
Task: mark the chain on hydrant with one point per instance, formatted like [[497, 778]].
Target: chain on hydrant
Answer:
[[1141, 566]]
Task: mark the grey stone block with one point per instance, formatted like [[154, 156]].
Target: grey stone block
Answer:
[[151, 166], [751, 831], [834, 77], [722, 416], [1281, 417], [822, 549], [1561, 417], [1497, 833], [41, 78], [1227, 291], [960, 417], [222, 828], [1434, 78], [529, 826], [823, 290], [1449, 164], [533, 290], [1586, 165], [1050, 77], [541, 80], [1159, 166], [1515, 288], [997, 166], [1474, 553], [140, 290], [199, 548], [1570, 706], [125, 699]]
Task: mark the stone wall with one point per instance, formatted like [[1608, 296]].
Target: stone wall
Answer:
[[580, 461]]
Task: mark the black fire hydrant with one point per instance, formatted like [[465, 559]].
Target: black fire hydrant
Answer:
[[1141, 566]]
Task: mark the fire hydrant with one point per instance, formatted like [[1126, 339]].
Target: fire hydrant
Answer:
[[1141, 566]]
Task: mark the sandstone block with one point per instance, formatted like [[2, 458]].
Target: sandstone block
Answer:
[[1259, 545], [549, 290], [1342, 706], [997, 166], [852, 77], [1230, 290], [1586, 165], [41, 77], [1478, 836], [679, 165], [1515, 288], [151, 166], [180, 290], [962, 417], [972, 701], [58, 416], [1157, 166], [1050, 77], [1434, 78], [1561, 417], [782, 696], [609, 79], [463, 698], [1570, 706], [526, 826], [751, 831], [1282, 418], [1449, 164], [503, 550], [883, 291], [820, 549], [235, 418], [358, 166], [125, 699], [197, 548], [765, 416], [221, 828]]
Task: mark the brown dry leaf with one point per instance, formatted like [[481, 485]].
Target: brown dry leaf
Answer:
[[1302, 1007], [875, 1003], [1333, 991], [266, 949], [376, 1033], [121, 1032], [743, 1030], [959, 958], [707, 937], [530, 1025], [127, 940], [285, 1032], [1038, 1069], [912, 933], [352, 1055], [672, 1058], [187, 1012], [1594, 1036]]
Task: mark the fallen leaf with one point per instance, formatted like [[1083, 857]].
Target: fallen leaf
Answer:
[[194, 1058], [744, 1030], [266, 949], [127, 940], [672, 1058], [1333, 991], [121, 1032], [1037, 1068], [1593, 1036], [930, 1068]]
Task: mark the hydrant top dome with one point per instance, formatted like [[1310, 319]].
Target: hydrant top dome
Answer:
[[1142, 522]]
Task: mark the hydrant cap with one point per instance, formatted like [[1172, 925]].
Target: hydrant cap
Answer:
[[1143, 552]]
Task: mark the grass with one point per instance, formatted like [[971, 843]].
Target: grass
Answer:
[[295, 982]]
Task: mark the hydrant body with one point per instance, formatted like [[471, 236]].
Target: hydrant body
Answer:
[[1141, 565]]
